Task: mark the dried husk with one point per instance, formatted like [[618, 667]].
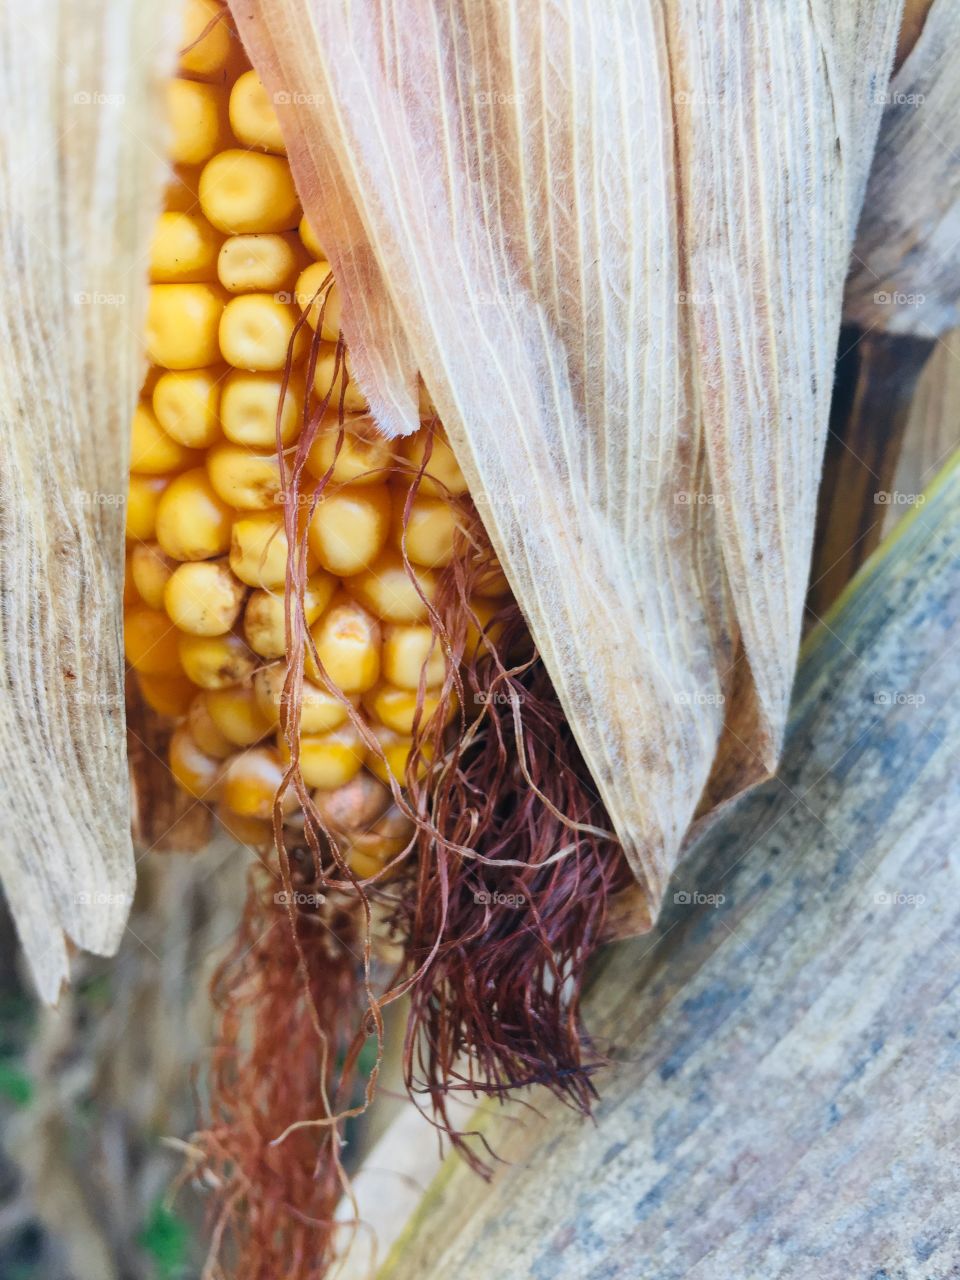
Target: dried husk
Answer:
[[906, 270], [613, 242], [81, 91]]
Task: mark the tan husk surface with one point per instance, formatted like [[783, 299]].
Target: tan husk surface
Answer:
[[614, 243], [81, 87]]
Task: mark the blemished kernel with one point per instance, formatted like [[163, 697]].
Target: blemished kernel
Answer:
[[409, 651], [185, 247], [315, 295], [347, 641], [396, 749], [196, 772], [203, 598], [442, 476], [349, 527], [195, 113], [215, 662], [329, 760], [205, 733], [152, 451], [259, 263], [264, 620], [251, 782], [192, 523], [336, 382], [397, 708], [353, 808], [248, 191], [167, 695], [143, 498], [249, 404], [205, 50], [186, 404], [430, 531], [150, 570], [364, 456], [150, 642], [244, 480], [237, 714], [320, 711], [386, 589], [255, 332], [252, 117], [182, 325], [258, 550]]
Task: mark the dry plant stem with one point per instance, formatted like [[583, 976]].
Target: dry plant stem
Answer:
[[876, 377]]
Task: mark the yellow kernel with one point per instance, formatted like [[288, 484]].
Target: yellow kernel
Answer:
[[480, 639], [349, 527], [252, 117], [410, 650], [329, 760], [309, 240], [258, 550], [364, 454], [196, 772], [237, 714], [205, 733], [184, 247], [195, 114], [152, 451], [319, 710], [205, 47], [259, 263], [150, 570], [354, 401], [247, 191], [251, 782], [493, 582], [186, 402], [255, 332], [442, 476], [182, 325], [143, 498], [396, 708], [354, 807], [347, 641], [203, 598], [192, 522], [166, 695], [150, 642], [253, 832], [245, 480], [431, 526], [264, 620], [248, 408], [214, 662], [314, 294], [387, 589], [396, 749]]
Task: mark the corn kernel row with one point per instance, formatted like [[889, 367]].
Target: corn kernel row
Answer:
[[233, 266]]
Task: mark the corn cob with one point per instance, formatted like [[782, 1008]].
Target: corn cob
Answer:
[[233, 268]]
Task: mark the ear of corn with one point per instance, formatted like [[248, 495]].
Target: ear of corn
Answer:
[[232, 270]]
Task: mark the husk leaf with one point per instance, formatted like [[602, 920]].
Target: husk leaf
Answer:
[[81, 90], [613, 242]]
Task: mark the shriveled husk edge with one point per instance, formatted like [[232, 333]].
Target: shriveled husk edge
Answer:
[[614, 245], [80, 184]]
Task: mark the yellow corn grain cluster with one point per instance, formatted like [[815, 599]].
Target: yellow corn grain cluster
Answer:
[[233, 265]]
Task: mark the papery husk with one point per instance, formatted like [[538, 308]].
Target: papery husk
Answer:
[[81, 85], [906, 268], [613, 242]]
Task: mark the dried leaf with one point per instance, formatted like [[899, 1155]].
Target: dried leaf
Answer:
[[613, 241], [81, 95]]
